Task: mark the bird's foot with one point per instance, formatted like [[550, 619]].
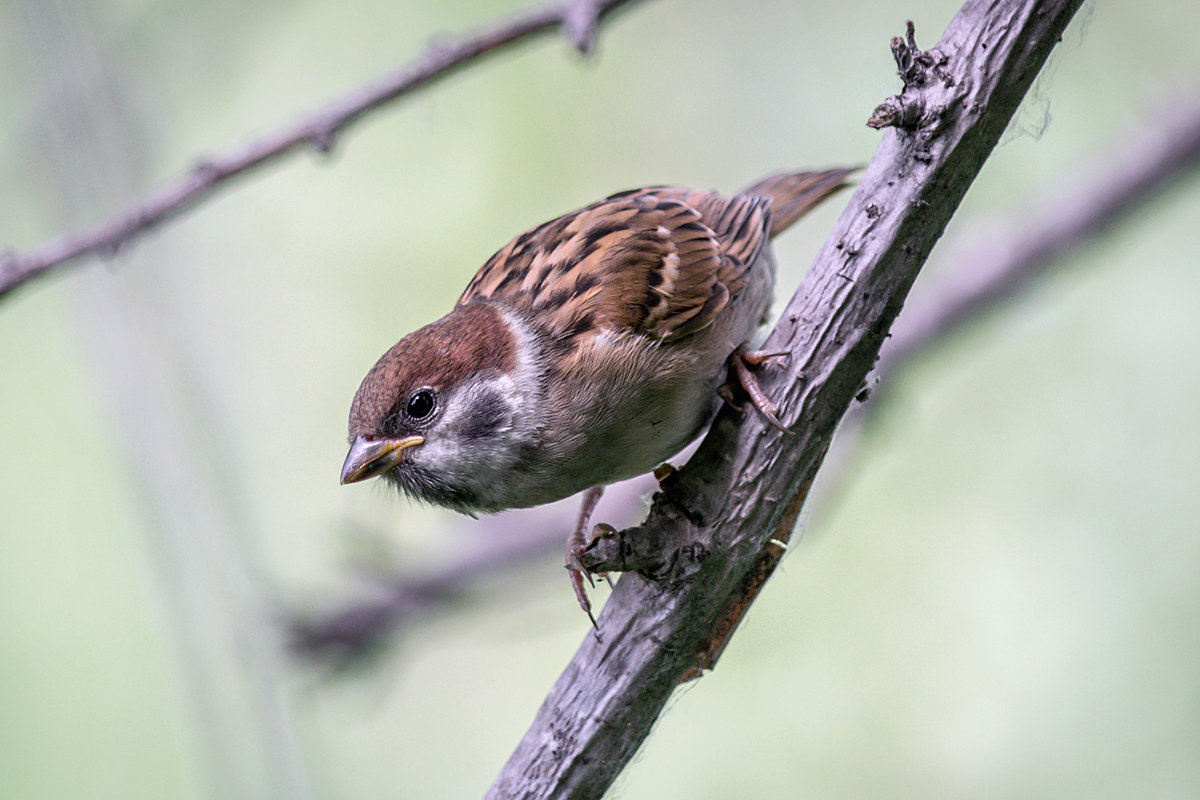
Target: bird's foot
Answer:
[[577, 542], [743, 362]]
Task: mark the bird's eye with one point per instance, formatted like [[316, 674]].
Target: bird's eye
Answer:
[[421, 404]]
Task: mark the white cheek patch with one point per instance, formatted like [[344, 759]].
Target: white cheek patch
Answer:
[[477, 430], [488, 420], [526, 377]]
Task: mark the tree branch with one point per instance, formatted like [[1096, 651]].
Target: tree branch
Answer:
[[579, 20], [341, 639], [714, 537]]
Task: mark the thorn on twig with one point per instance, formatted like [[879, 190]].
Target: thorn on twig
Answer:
[[323, 139], [579, 21], [864, 391], [907, 110], [916, 65], [898, 111]]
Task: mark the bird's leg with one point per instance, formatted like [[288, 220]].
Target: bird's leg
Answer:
[[743, 361], [576, 543]]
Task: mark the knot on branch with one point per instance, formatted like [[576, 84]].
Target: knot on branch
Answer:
[[323, 139], [648, 548], [580, 20], [918, 69]]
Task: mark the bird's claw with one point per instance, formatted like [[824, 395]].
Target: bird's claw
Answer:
[[577, 542], [665, 474], [743, 360], [577, 574]]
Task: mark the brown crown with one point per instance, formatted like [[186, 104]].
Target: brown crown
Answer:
[[467, 340]]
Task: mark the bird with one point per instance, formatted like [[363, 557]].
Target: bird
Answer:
[[590, 349]]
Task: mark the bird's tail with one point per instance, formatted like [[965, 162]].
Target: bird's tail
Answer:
[[794, 194]]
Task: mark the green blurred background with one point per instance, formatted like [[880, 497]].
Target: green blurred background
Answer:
[[1001, 599]]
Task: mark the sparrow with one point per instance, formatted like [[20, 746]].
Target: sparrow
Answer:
[[588, 350]]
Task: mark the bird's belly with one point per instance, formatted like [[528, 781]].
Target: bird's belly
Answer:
[[648, 441], [644, 428]]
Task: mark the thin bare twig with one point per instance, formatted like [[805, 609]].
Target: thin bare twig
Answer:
[[579, 20]]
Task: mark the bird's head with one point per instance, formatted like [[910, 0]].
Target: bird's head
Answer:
[[446, 410]]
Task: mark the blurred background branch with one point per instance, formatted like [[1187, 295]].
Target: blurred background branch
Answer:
[[578, 20], [193, 509], [1153, 153]]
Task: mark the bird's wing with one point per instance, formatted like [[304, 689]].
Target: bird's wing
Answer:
[[661, 262]]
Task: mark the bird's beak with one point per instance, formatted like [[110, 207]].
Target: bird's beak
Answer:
[[370, 457]]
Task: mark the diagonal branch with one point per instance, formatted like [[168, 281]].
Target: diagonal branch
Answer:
[[714, 537], [579, 20]]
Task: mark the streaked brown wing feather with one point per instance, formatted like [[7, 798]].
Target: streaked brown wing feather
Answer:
[[662, 262], [740, 225]]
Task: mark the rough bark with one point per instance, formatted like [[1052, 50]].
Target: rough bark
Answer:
[[717, 533]]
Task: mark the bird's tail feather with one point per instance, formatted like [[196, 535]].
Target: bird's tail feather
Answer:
[[794, 194]]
